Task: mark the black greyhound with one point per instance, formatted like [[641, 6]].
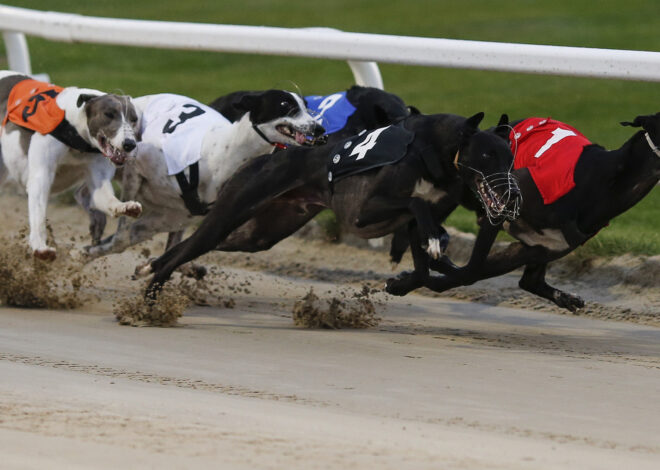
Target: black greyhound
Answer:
[[606, 184], [426, 159]]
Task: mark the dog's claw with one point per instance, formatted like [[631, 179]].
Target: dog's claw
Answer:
[[143, 270], [45, 254]]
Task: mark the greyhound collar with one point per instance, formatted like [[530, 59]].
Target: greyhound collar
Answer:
[[654, 147], [263, 136]]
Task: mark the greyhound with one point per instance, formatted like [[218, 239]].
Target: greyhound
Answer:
[[374, 182], [342, 114], [53, 138], [555, 220], [182, 135]]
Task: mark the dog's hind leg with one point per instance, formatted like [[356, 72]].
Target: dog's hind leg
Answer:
[[398, 246], [97, 219], [243, 195], [533, 280], [196, 271]]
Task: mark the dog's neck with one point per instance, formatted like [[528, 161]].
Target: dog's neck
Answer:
[[75, 115], [626, 174], [228, 147]]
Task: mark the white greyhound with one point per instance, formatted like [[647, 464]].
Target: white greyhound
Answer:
[[188, 150], [53, 138]]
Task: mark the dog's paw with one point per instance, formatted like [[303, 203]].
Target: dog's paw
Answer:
[[568, 301], [195, 271], [130, 209], [434, 248], [45, 254], [143, 270], [403, 283]]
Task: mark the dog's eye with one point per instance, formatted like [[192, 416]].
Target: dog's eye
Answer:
[[109, 114], [485, 155]]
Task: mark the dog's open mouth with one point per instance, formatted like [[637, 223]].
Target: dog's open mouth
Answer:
[[300, 137], [500, 196], [116, 156]]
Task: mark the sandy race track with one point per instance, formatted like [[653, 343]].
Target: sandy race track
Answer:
[[439, 383]]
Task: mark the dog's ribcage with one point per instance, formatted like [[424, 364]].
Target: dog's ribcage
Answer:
[[224, 147]]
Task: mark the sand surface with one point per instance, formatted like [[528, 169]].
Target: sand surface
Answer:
[[439, 383]]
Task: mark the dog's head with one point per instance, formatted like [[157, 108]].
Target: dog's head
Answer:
[[484, 161], [651, 124], [282, 117], [112, 122], [374, 108]]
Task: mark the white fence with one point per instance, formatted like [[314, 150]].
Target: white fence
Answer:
[[361, 50]]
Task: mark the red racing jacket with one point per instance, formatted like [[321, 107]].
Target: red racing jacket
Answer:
[[550, 150]]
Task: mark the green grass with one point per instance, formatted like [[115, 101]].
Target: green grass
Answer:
[[595, 106]]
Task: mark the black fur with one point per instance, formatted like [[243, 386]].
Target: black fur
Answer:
[[607, 184], [371, 204]]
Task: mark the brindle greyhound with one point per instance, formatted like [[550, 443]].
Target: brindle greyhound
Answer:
[[607, 183], [428, 158]]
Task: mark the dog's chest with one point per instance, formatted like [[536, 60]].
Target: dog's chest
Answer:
[[427, 191], [551, 238]]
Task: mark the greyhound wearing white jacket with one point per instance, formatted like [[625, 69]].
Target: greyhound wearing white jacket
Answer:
[[187, 152]]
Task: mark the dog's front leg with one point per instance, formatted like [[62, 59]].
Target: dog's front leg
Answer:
[[99, 181], [43, 157], [482, 245], [434, 237]]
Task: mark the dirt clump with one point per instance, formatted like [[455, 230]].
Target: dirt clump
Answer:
[[333, 313], [164, 311], [27, 282]]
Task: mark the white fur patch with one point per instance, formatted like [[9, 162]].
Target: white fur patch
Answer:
[[427, 191], [434, 250], [552, 239]]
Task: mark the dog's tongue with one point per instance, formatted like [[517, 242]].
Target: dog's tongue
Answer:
[[300, 138]]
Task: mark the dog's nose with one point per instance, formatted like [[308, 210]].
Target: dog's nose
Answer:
[[318, 130], [128, 145]]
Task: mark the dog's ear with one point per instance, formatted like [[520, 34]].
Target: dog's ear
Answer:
[[503, 128], [639, 121], [246, 103], [473, 121], [412, 110], [84, 98], [381, 116]]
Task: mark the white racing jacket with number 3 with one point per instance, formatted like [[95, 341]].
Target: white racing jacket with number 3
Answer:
[[177, 124]]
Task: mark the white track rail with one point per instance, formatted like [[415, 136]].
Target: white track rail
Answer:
[[361, 50]]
